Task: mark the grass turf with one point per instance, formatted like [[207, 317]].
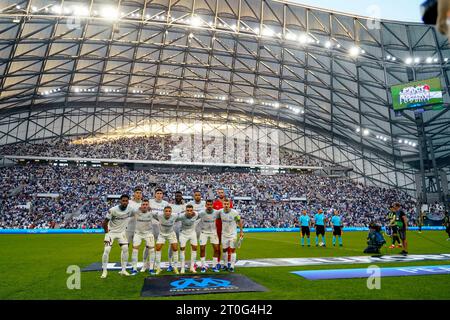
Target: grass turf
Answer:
[[34, 267]]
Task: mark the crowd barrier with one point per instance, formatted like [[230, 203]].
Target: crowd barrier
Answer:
[[248, 230]]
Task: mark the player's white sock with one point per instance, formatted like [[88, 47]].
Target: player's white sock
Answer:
[[134, 258], [105, 257], [151, 253], [170, 255], [233, 259], [193, 257], [158, 259], [175, 259], [224, 256], [145, 258], [216, 261], [202, 261], [182, 258], [124, 257]]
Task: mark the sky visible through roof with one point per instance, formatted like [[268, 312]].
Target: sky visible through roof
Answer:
[[400, 10]]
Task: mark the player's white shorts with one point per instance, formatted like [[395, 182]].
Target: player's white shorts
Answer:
[[147, 237], [229, 241], [213, 238], [120, 236], [171, 237], [191, 237]]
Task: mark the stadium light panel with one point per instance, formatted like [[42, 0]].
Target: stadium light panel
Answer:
[[366, 132], [303, 38], [417, 60], [268, 32], [358, 129], [328, 44], [400, 141], [57, 9], [291, 36], [414, 144], [408, 60], [354, 51], [435, 60], [80, 11], [429, 60], [110, 13]]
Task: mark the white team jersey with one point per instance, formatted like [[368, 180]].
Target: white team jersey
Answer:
[[143, 221], [166, 225], [198, 207], [158, 207], [208, 221], [132, 223], [229, 220], [178, 208], [188, 224], [118, 219]]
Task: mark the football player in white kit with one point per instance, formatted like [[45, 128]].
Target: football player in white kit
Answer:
[[230, 218], [166, 233], [188, 221], [177, 208], [157, 206], [115, 225], [135, 203], [208, 219], [199, 206], [144, 231]]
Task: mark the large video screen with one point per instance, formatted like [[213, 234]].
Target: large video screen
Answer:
[[417, 94]]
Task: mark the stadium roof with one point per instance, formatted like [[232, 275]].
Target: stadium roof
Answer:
[[322, 70]]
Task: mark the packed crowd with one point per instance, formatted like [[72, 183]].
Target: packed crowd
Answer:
[[81, 195], [154, 147]]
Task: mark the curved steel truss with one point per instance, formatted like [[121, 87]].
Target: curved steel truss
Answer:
[[328, 74]]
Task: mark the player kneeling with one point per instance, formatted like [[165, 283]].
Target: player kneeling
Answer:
[[187, 233], [115, 226], [143, 232], [230, 218]]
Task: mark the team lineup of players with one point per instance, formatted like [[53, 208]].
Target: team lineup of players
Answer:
[[136, 220]]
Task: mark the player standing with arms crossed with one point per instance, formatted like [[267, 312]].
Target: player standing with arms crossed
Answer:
[[199, 206], [135, 203], [230, 218], [208, 219], [115, 225], [144, 231], [157, 206], [177, 208], [187, 233], [305, 224]]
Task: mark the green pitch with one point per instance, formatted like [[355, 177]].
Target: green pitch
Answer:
[[34, 267]]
